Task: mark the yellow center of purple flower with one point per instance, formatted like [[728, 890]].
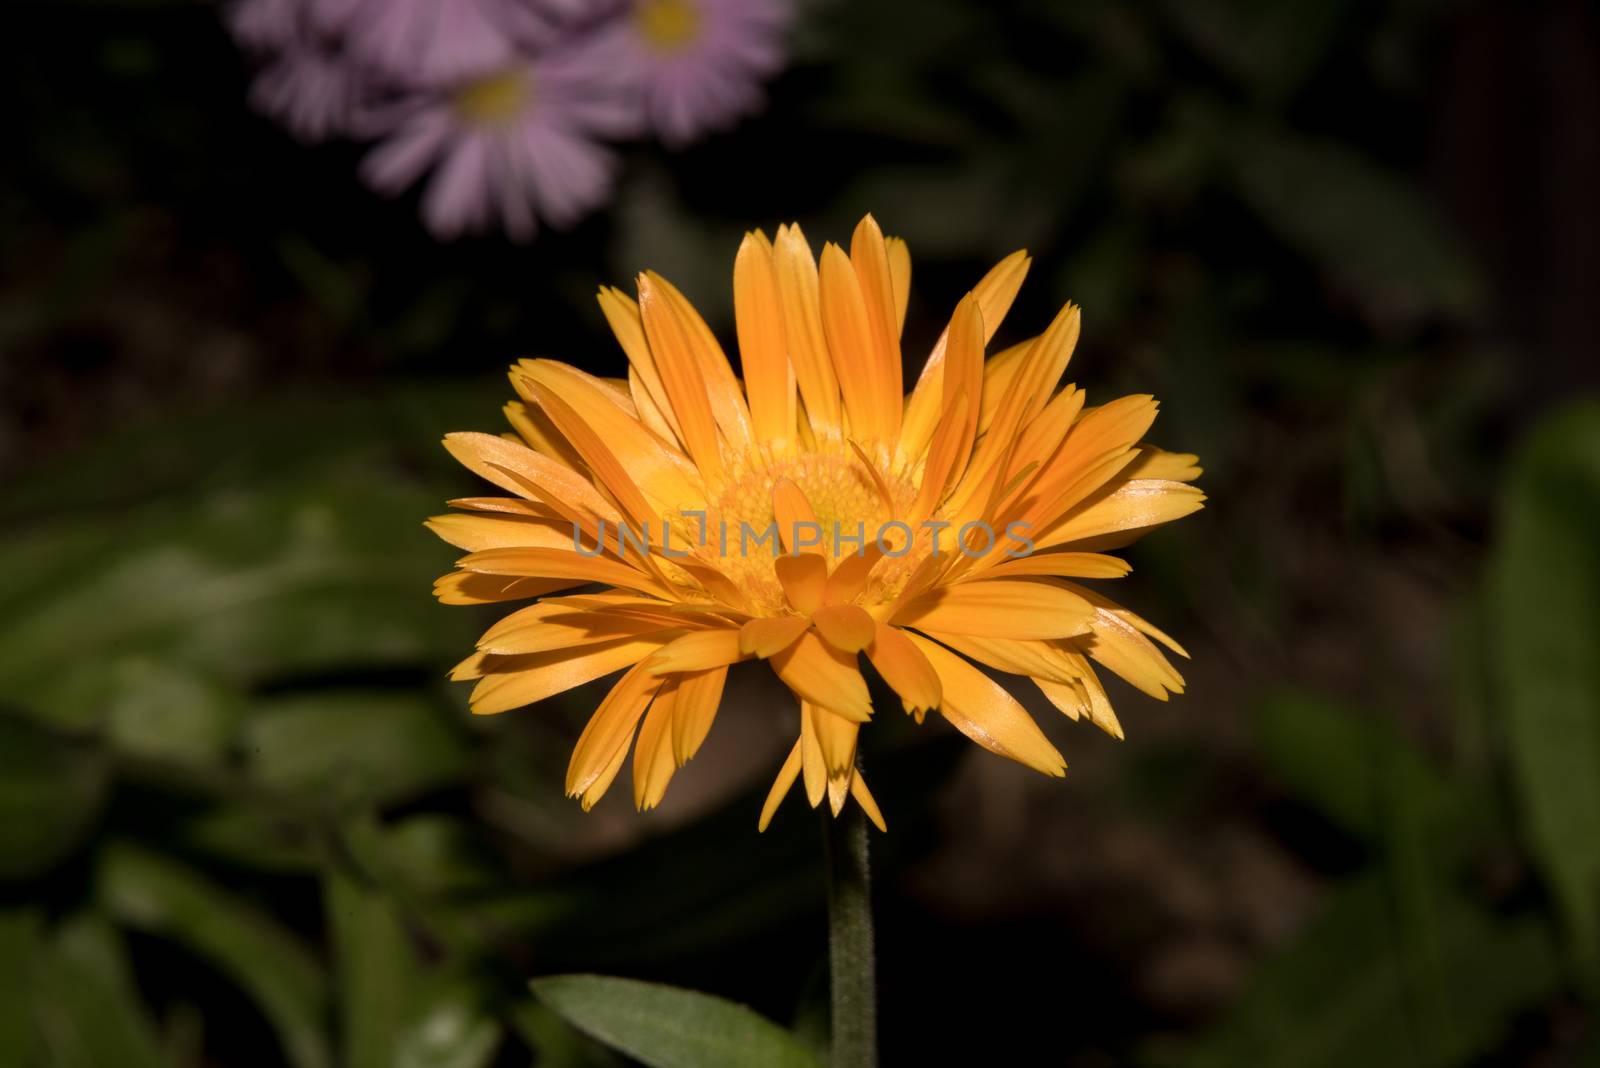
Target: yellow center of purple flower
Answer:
[[668, 25], [495, 100]]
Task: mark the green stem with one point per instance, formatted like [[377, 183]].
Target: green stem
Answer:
[[852, 974]]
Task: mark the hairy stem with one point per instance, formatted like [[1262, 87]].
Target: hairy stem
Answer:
[[852, 973]]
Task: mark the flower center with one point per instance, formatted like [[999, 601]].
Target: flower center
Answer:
[[668, 25], [743, 537], [495, 100]]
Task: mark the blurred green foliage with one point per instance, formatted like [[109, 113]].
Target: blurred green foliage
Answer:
[[244, 819]]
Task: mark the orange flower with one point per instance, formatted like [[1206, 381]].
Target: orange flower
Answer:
[[808, 514]]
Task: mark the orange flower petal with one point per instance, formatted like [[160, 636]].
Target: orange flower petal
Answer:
[[824, 676], [1035, 659], [850, 576], [982, 710], [905, 669], [523, 680], [771, 634], [763, 344], [560, 564], [795, 518], [467, 587], [846, 627], [727, 402], [598, 455], [562, 629], [1137, 505], [622, 312], [610, 729], [1158, 463], [697, 652], [659, 470], [814, 770], [994, 293], [602, 782], [900, 278], [1000, 608], [699, 694], [1074, 699], [1062, 564], [652, 751], [869, 256], [869, 805], [804, 579], [500, 460], [802, 320], [836, 738], [682, 377], [860, 363], [541, 434], [780, 786]]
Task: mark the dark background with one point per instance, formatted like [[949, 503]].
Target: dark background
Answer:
[[1352, 247]]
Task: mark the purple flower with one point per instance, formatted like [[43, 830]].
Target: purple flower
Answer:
[[693, 66], [515, 146], [433, 42], [264, 23], [311, 91]]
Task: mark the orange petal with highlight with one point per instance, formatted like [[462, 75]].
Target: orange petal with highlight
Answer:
[[981, 709], [1000, 608], [824, 676], [697, 652], [522, 680]]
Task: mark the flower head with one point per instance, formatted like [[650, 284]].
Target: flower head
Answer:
[[433, 42], [514, 146], [314, 93], [693, 66], [265, 23], [808, 514]]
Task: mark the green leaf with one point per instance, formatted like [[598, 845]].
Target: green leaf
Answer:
[[440, 855], [377, 970], [393, 1013], [51, 793], [1270, 47], [448, 1027], [666, 1027], [19, 946], [359, 746], [254, 836], [1370, 232], [1545, 622], [1341, 995], [282, 576], [87, 1003], [163, 711], [554, 1041], [153, 894], [1347, 764], [237, 550]]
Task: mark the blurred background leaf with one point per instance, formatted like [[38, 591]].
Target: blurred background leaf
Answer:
[[1546, 611], [245, 820]]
